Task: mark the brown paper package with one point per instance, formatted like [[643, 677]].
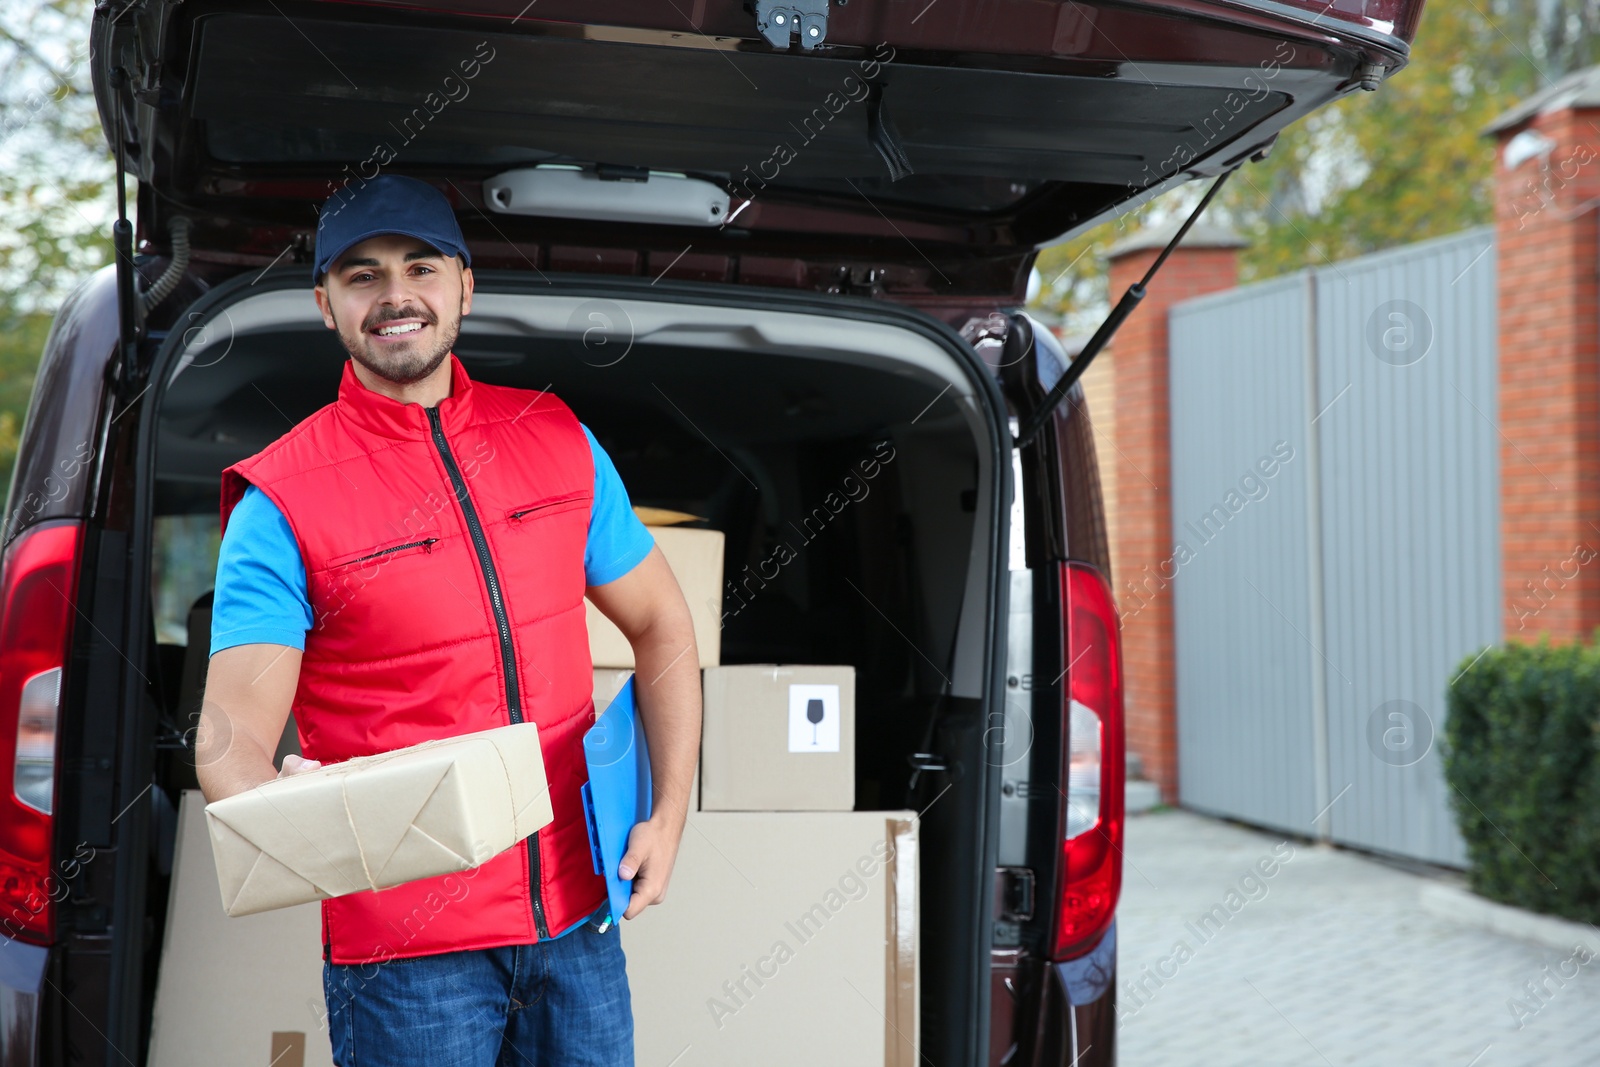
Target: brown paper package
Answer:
[[379, 821]]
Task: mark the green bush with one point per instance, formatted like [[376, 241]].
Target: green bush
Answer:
[[1522, 753]]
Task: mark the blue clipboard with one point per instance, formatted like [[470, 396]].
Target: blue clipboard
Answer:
[[617, 795]]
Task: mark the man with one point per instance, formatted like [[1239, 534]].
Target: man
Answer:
[[410, 562]]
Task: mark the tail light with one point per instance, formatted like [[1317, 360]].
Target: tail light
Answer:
[[1090, 875], [37, 579]]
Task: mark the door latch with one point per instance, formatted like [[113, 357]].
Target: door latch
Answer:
[[1013, 893], [858, 281], [778, 22]]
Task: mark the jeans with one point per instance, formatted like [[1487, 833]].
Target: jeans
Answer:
[[562, 1001]]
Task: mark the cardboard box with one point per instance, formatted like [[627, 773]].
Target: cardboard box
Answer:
[[778, 737], [695, 557], [379, 821], [787, 938], [234, 992], [607, 684], [846, 990]]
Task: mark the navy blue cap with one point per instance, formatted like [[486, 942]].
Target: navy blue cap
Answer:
[[387, 204]]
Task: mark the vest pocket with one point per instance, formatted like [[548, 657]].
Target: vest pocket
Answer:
[[526, 513], [383, 554]]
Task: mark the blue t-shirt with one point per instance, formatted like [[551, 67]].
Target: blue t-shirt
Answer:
[[261, 579]]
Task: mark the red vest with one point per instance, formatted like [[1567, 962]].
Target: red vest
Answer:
[[444, 565]]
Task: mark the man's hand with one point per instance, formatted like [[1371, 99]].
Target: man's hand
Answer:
[[293, 764], [652, 850]]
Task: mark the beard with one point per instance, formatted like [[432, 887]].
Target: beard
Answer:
[[407, 361]]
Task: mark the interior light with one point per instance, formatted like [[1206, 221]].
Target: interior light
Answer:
[[566, 192]]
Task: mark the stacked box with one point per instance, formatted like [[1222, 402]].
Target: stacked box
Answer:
[[790, 935], [778, 737], [234, 992], [787, 938], [695, 557], [608, 683]]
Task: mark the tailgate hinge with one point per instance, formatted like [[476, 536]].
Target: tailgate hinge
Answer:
[[779, 21]]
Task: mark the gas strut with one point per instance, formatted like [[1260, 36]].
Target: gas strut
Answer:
[[122, 237], [1124, 308]]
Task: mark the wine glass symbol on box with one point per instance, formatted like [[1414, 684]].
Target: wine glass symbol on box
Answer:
[[813, 718]]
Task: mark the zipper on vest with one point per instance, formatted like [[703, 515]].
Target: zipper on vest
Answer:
[[508, 655], [517, 515], [385, 551]]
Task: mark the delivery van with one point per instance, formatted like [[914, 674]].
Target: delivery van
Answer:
[[774, 255]]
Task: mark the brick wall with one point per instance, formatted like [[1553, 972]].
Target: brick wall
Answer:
[[1141, 467], [1546, 227]]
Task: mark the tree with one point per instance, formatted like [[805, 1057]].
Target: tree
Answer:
[[1377, 170], [1372, 170], [55, 190]]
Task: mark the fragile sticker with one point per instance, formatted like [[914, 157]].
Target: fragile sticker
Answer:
[[813, 718]]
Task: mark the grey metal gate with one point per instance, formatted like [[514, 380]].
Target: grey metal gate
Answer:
[[1336, 539]]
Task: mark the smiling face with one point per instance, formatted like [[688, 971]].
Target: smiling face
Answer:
[[397, 304]]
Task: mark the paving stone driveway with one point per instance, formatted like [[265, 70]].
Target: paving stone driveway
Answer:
[[1330, 959]]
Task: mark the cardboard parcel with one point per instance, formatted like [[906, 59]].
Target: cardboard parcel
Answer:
[[695, 557], [788, 939], [607, 684], [778, 737], [379, 821]]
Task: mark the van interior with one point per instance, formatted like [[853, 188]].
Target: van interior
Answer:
[[848, 462]]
